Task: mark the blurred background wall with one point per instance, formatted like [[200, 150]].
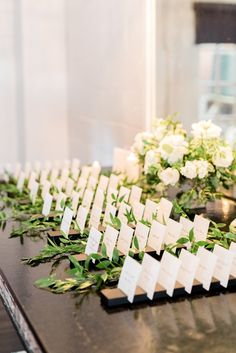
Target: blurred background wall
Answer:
[[78, 77]]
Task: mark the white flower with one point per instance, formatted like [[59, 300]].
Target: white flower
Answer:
[[169, 176], [223, 157], [152, 158], [189, 170], [202, 168], [206, 129], [173, 148], [140, 142]]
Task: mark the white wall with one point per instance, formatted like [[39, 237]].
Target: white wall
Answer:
[[106, 75]]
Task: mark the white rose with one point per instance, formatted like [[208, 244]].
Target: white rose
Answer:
[[206, 129], [189, 170], [139, 142], [173, 148], [169, 176], [223, 157], [202, 168], [152, 158]]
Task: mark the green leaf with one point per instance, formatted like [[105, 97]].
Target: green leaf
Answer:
[[103, 264], [115, 256], [136, 243], [182, 240], [104, 250], [191, 235]]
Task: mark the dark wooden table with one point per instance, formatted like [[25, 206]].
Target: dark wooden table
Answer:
[[69, 324]]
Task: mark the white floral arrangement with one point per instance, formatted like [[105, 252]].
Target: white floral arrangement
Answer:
[[198, 164]]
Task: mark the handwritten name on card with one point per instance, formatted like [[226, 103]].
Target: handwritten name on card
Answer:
[[110, 238], [141, 233], [95, 216], [169, 269], [47, 204], [125, 239], [149, 274], [135, 195], [224, 264], [150, 210], [66, 221], [164, 210], [157, 236], [206, 268], [81, 218], [110, 210], [188, 268], [200, 227], [129, 277], [138, 209], [173, 231], [93, 242], [123, 210]]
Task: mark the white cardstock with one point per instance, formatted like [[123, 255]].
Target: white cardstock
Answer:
[[157, 236], [93, 241], [110, 210], [233, 249], [224, 264], [110, 237], [169, 269], [124, 208], [66, 220], [69, 186], [113, 181], [164, 210], [149, 274], [141, 232], [74, 201], [123, 194], [81, 218], [95, 216], [135, 195], [47, 204], [150, 210], [200, 227], [87, 199], [103, 183], [61, 199], [110, 194], [138, 209], [99, 198], [125, 239], [129, 277], [206, 268], [188, 268], [173, 231]]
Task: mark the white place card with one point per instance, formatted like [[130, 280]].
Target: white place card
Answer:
[[43, 176], [233, 249], [74, 201], [224, 264], [188, 269], [132, 167], [141, 232], [66, 220], [187, 226], [110, 238], [37, 167], [169, 269], [45, 188], [81, 218], [58, 188], [92, 183], [110, 210], [110, 193], [95, 169], [125, 239], [75, 174], [69, 186], [54, 175], [27, 169], [150, 210], [32, 179], [164, 210], [149, 274], [47, 204], [85, 172], [93, 241], [200, 227], [99, 198], [113, 181], [157, 236], [95, 216], [21, 181], [61, 199], [129, 277], [138, 209], [124, 208], [81, 185], [173, 231], [75, 164], [87, 199], [124, 194], [34, 191], [103, 183], [206, 268], [135, 195], [64, 176]]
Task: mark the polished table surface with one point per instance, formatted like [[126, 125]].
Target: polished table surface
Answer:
[[69, 324]]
